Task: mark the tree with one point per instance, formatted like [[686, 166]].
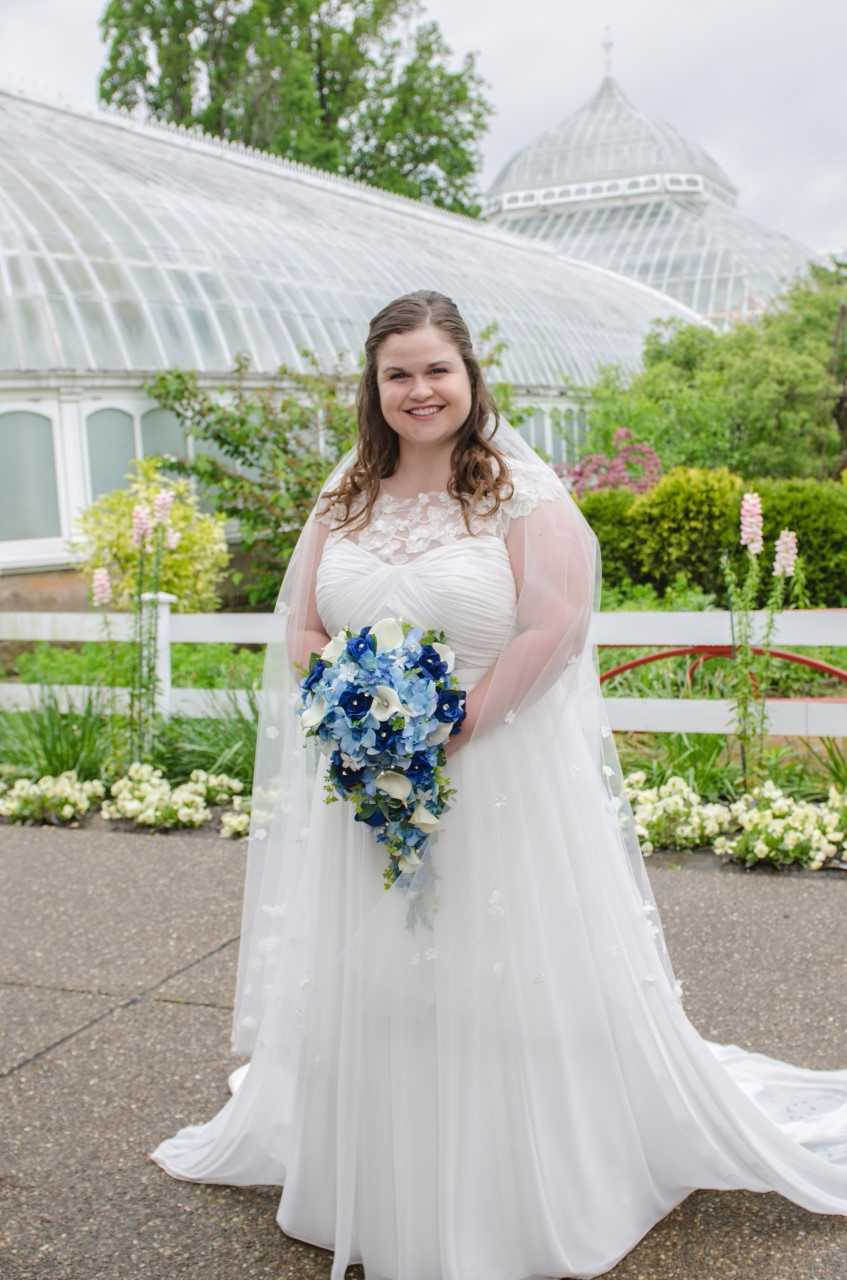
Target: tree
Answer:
[[765, 398], [349, 86]]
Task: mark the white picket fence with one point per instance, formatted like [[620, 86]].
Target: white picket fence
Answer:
[[810, 717]]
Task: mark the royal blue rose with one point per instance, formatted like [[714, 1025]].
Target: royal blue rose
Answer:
[[375, 819], [420, 769], [450, 708], [386, 736], [355, 701], [315, 674], [361, 644], [346, 776], [431, 663]]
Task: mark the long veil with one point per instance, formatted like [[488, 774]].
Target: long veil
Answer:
[[546, 673]]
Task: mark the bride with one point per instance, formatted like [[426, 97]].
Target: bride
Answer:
[[512, 1089]]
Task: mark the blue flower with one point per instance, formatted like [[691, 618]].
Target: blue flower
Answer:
[[343, 773], [359, 645], [385, 737], [314, 675], [355, 701], [420, 768], [431, 663], [450, 708], [376, 819]]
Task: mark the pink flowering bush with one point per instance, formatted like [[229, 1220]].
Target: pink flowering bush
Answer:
[[633, 465]]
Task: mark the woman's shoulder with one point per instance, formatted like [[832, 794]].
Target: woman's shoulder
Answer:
[[531, 483]]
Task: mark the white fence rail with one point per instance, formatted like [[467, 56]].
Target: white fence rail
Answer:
[[810, 717]]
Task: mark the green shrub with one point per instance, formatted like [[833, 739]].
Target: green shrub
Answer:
[[817, 512], [682, 524], [685, 522], [607, 511]]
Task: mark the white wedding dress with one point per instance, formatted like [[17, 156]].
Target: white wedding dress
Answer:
[[533, 1102]]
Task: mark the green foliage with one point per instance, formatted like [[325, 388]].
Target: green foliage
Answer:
[[191, 570], [817, 512], [50, 741], [216, 744], [264, 468], [607, 511], [349, 86], [763, 398], [203, 666], [683, 523]]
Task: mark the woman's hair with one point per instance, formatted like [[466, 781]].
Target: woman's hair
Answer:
[[473, 456]]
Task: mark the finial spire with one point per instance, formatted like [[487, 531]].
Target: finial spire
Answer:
[[608, 46]]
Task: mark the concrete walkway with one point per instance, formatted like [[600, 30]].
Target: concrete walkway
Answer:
[[117, 971]]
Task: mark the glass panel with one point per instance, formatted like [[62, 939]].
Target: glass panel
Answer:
[[161, 433], [111, 449], [29, 503]]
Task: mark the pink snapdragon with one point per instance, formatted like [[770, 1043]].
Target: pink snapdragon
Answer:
[[142, 524], [785, 556], [162, 504], [751, 523], [101, 586]]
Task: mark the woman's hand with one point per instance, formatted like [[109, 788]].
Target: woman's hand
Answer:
[[451, 746]]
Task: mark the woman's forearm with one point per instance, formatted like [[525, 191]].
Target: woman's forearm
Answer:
[[308, 642]]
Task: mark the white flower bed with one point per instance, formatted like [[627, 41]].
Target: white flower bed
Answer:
[[146, 798], [780, 830], [766, 825], [50, 799], [672, 816], [235, 822]]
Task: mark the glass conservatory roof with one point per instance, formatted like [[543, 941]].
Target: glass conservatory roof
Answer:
[[608, 139], [611, 187], [133, 247]]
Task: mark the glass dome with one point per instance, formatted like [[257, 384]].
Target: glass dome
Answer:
[[127, 247], [611, 187]]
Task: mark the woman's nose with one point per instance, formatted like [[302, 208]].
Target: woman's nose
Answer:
[[421, 389]]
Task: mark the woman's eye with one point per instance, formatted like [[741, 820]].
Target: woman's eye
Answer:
[[394, 376]]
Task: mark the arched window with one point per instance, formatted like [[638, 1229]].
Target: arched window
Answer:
[[29, 501], [161, 433], [111, 449]]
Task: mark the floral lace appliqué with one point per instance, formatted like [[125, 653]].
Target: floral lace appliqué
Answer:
[[401, 529]]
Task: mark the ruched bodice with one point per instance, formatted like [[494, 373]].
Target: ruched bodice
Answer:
[[458, 583]]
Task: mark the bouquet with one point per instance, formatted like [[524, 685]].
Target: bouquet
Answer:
[[381, 703]]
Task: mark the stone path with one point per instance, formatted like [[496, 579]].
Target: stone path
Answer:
[[117, 970]]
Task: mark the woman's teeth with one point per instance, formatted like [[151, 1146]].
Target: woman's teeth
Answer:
[[426, 413]]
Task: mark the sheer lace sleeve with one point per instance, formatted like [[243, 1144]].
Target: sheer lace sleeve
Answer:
[[552, 551]]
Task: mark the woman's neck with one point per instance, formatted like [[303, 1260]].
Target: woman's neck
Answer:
[[417, 472]]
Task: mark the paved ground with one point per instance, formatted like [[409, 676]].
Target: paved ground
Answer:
[[117, 969]]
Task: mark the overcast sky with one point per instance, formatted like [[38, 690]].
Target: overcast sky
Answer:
[[759, 83]]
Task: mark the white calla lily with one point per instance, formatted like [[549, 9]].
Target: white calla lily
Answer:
[[423, 819], [386, 703], [388, 633], [335, 647], [439, 734], [393, 783], [314, 713], [446, 654], [409, 861]]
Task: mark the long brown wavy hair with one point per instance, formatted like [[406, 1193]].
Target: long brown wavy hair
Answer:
[[473, 457]]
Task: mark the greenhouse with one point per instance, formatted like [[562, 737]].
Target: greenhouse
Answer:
[[127, 248], [612, 187]]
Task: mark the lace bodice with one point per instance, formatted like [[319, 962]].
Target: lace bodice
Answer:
[[400, 529]]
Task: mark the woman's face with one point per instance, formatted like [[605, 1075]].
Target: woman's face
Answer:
[[424, 388]]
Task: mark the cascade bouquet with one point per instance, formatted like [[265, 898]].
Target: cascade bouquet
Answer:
[[381, 702]]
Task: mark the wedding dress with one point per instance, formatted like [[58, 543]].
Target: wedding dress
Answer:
[[515, 1091]]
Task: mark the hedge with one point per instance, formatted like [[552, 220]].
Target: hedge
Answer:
[[685, 522]]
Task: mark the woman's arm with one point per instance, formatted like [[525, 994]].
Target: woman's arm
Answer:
[[309, 636], [552, 561]]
